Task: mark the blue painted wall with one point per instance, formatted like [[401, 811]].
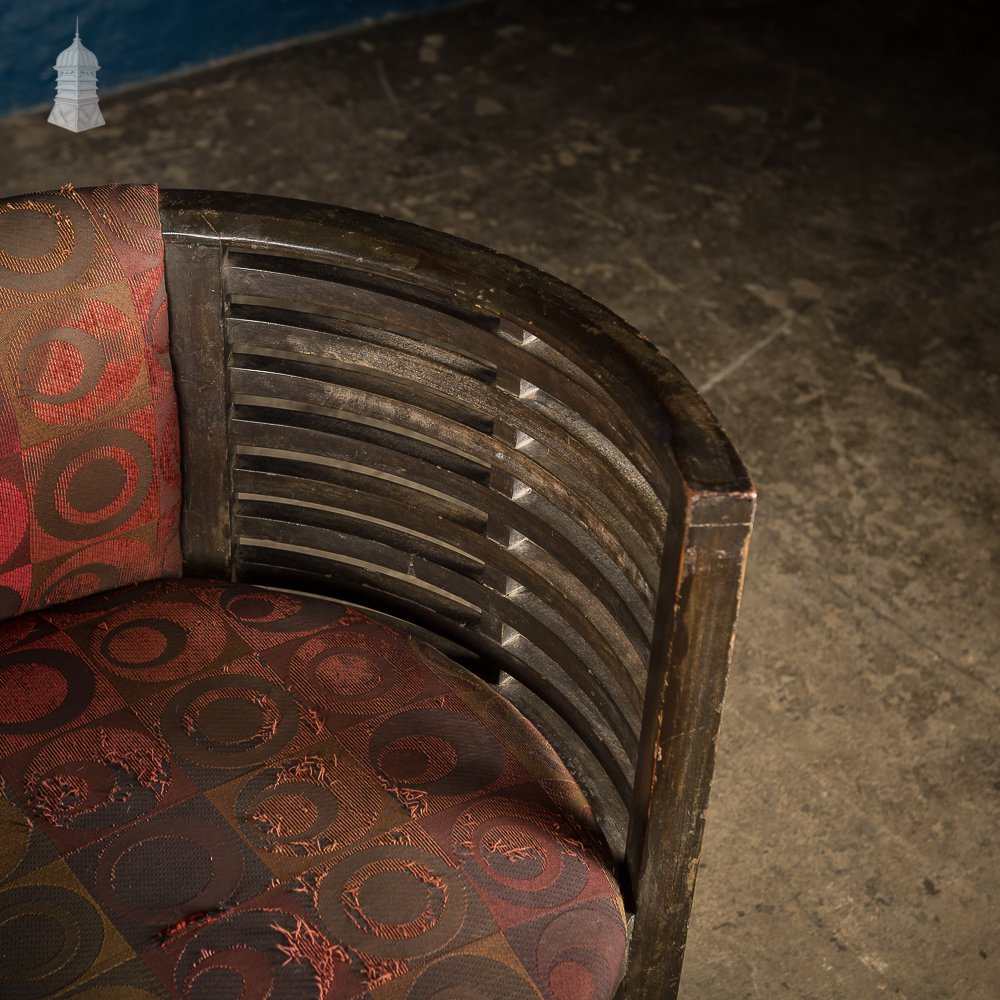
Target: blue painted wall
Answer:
[[138, 39]]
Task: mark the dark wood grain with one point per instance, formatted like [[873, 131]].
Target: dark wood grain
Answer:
[[681, 720], [480, 454], [197, 316]]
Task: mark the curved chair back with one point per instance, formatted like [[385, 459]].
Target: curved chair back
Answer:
[[482, 455]]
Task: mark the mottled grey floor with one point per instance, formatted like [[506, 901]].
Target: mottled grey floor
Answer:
[[805, 214]]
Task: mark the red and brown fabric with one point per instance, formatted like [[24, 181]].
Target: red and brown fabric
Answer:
[[89, 456], [214, 791]]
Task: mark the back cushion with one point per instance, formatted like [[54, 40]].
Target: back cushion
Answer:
[[89, 447]]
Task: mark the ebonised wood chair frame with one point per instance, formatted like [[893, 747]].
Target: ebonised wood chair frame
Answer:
[[482, 455]]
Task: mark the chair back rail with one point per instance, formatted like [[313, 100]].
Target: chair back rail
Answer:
[[474, 451]]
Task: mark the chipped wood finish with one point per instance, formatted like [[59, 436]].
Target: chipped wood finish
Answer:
[[473, 450]]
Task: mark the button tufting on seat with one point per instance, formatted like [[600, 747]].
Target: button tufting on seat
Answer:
[[220, 791]]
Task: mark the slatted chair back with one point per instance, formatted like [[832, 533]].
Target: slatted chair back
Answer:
[[482, 455]]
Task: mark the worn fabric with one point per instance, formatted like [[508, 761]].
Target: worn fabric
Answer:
[[218, 791], [89, 450]]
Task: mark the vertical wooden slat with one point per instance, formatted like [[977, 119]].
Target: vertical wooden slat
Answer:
[[198, 350], [692, 648]]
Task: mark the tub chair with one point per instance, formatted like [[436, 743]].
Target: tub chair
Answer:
[[368, 598]]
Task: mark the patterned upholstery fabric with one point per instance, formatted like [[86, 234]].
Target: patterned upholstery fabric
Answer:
[[216, 791], [89, 456]]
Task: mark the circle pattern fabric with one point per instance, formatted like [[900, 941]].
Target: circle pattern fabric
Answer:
[[49, 936], [214, 791], [89, 462]]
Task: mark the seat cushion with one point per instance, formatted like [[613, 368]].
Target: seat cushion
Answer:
[[89, 456], [214, 790]]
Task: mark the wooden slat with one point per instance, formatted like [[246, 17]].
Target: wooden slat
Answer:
[[680, 728], [197, 317]]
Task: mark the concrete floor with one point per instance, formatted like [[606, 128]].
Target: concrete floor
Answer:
[[805, 214]]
